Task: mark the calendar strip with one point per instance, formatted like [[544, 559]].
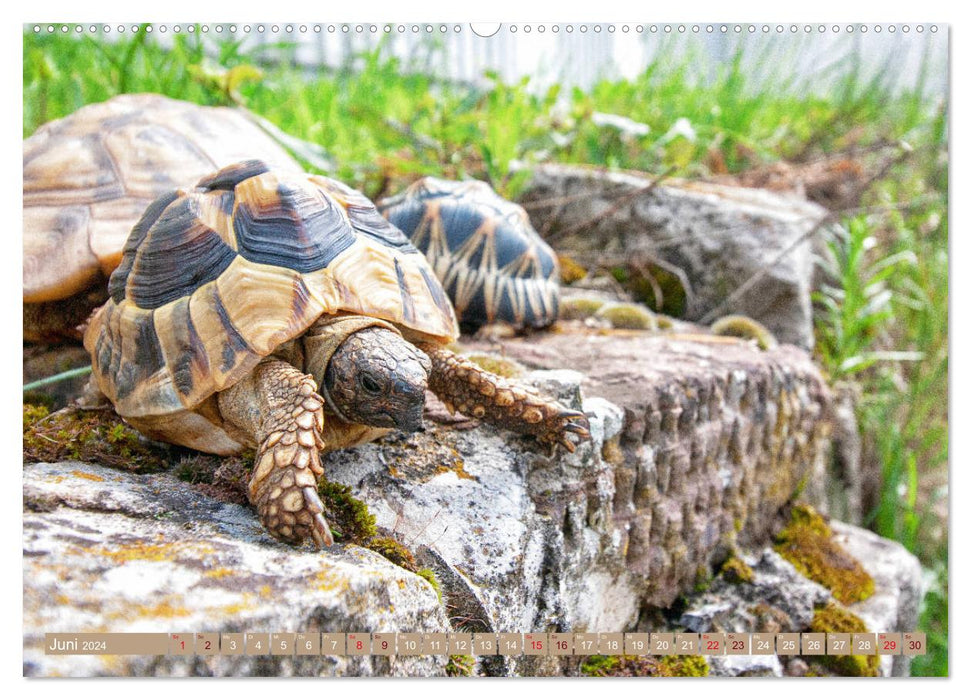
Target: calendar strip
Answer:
[[484, 644]]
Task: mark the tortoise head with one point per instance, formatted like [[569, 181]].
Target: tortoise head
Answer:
[[377, 378]]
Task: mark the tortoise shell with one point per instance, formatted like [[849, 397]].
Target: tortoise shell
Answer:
[[89, 176], [215, 278], [492, 263]]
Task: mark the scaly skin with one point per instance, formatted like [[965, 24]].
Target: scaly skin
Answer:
[[465, 387], [277, 405]]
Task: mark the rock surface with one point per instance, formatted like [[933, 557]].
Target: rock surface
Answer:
[[106, 551], [718, 236], [899, 587], [716, 437], [780, 599], [696, 445]]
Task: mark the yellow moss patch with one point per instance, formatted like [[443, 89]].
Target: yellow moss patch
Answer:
[[235, 608], [395, 552], [734, 570], [629, 317], [747, 328], [579, 308], [807, 543], [683, 666], [836, 618], [664, 322], [570, 270], [504, 367]]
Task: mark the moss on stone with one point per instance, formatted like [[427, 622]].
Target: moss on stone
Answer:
[[644, 666], [353, 520], [633, 317], [703, 579], [97, 436], [570, 270], [429, 576], [683, 666], [395, 552], [734, 570], [597, 665], [744, 327], [460, 665], [579, 308], [807, 543], [502, 366], [835, 618], [664, 322]]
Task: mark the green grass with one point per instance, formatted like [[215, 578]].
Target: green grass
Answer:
[[883, 320]]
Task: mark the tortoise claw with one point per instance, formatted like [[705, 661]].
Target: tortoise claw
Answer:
[[319, 529], [321, 532], [568, 422]]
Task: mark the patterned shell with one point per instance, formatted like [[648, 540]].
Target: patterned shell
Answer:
[[215, 278], [88, 178], [491, 261]]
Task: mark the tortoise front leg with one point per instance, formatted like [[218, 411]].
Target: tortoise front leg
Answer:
[[464, 386], [277, 405]]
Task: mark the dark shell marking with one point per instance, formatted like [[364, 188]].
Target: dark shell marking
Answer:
[[215, 278], [493, 264]]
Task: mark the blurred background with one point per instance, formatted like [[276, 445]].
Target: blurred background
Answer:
[[856, 120]]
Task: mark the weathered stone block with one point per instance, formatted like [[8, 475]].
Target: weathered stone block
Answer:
[[718, 236]]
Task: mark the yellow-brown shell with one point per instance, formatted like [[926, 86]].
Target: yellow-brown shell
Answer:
[[88, 178], [215, 278]]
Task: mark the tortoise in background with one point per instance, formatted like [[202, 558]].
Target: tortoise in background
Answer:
[[493, 264], [247, 309], [89, 177]]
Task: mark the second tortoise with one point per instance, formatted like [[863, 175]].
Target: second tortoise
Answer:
[[493, 264]]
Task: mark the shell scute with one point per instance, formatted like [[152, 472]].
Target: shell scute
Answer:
[[278, 222], [232, 175], [177, 235]]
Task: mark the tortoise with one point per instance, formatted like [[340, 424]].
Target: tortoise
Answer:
[[89, 176], [248, 308], [491, 261]]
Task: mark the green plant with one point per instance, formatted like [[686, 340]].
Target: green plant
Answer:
[[856, 308]]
